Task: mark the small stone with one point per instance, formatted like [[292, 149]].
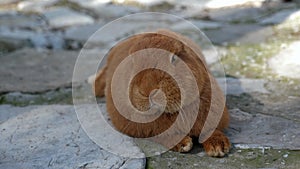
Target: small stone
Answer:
[[285, 155], [64, 17]]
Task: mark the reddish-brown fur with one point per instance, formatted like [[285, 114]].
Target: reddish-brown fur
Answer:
[[146, 81]]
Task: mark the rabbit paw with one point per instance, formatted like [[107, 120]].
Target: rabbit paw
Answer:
[[217, 145], [185, 145]]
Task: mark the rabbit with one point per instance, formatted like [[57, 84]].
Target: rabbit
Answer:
[[153, 82]]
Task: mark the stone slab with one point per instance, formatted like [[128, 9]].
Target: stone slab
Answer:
[[282, 16], [215, 4], [183, 26], [238, 14], [258, 130], [21, 21], [31, 38], [240, 86], [63, 17], [35, 5], [239, 33], [287, 62], [43, 70], [51, 137]]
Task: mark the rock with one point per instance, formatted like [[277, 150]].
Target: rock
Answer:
[[233, 3], [213, 55], [239, 86], [255, 131], [236, 15], [114, 31], [82, 33], [3, 2], [51, 137], [103, 9], [64, 17], [90, 3], [280, 17], [31, 38], [113, 11], [42, 70], [184, 26], [287, 62], [239, 33], [35, 5], [21, 21]]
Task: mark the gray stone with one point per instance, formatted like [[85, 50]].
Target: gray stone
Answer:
[[105, 10], [82, 33], [35, 5], [287, 62], [239, 86], [239, 33], [21, 21], [31, 38], [213, 55], [281, 16], [112, 32], [90, 3], [113, 11], [257, 130], [51, 137], [184, 26], [239, 14], [64, 17], [42, 70], [3, 2], [214, 4]]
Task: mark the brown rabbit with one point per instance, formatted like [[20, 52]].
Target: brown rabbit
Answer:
[[149, 83]]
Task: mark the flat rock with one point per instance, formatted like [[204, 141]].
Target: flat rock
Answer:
[[51, 137], [282, 16], [32, 38], [103, 9], [239, 86], [64, 17], [3, 2], [258, 130], [183, 26], [287, 62], [35, 5], [238, 14], [113, 11], [41, 70], [233, 3], [21, 21], [239, 33], [83, 33], [109, 34]]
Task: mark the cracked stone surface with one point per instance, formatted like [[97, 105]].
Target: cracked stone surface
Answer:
[[42, 70], [51, 137]]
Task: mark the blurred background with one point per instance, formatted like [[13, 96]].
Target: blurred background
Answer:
[[258, 42]]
